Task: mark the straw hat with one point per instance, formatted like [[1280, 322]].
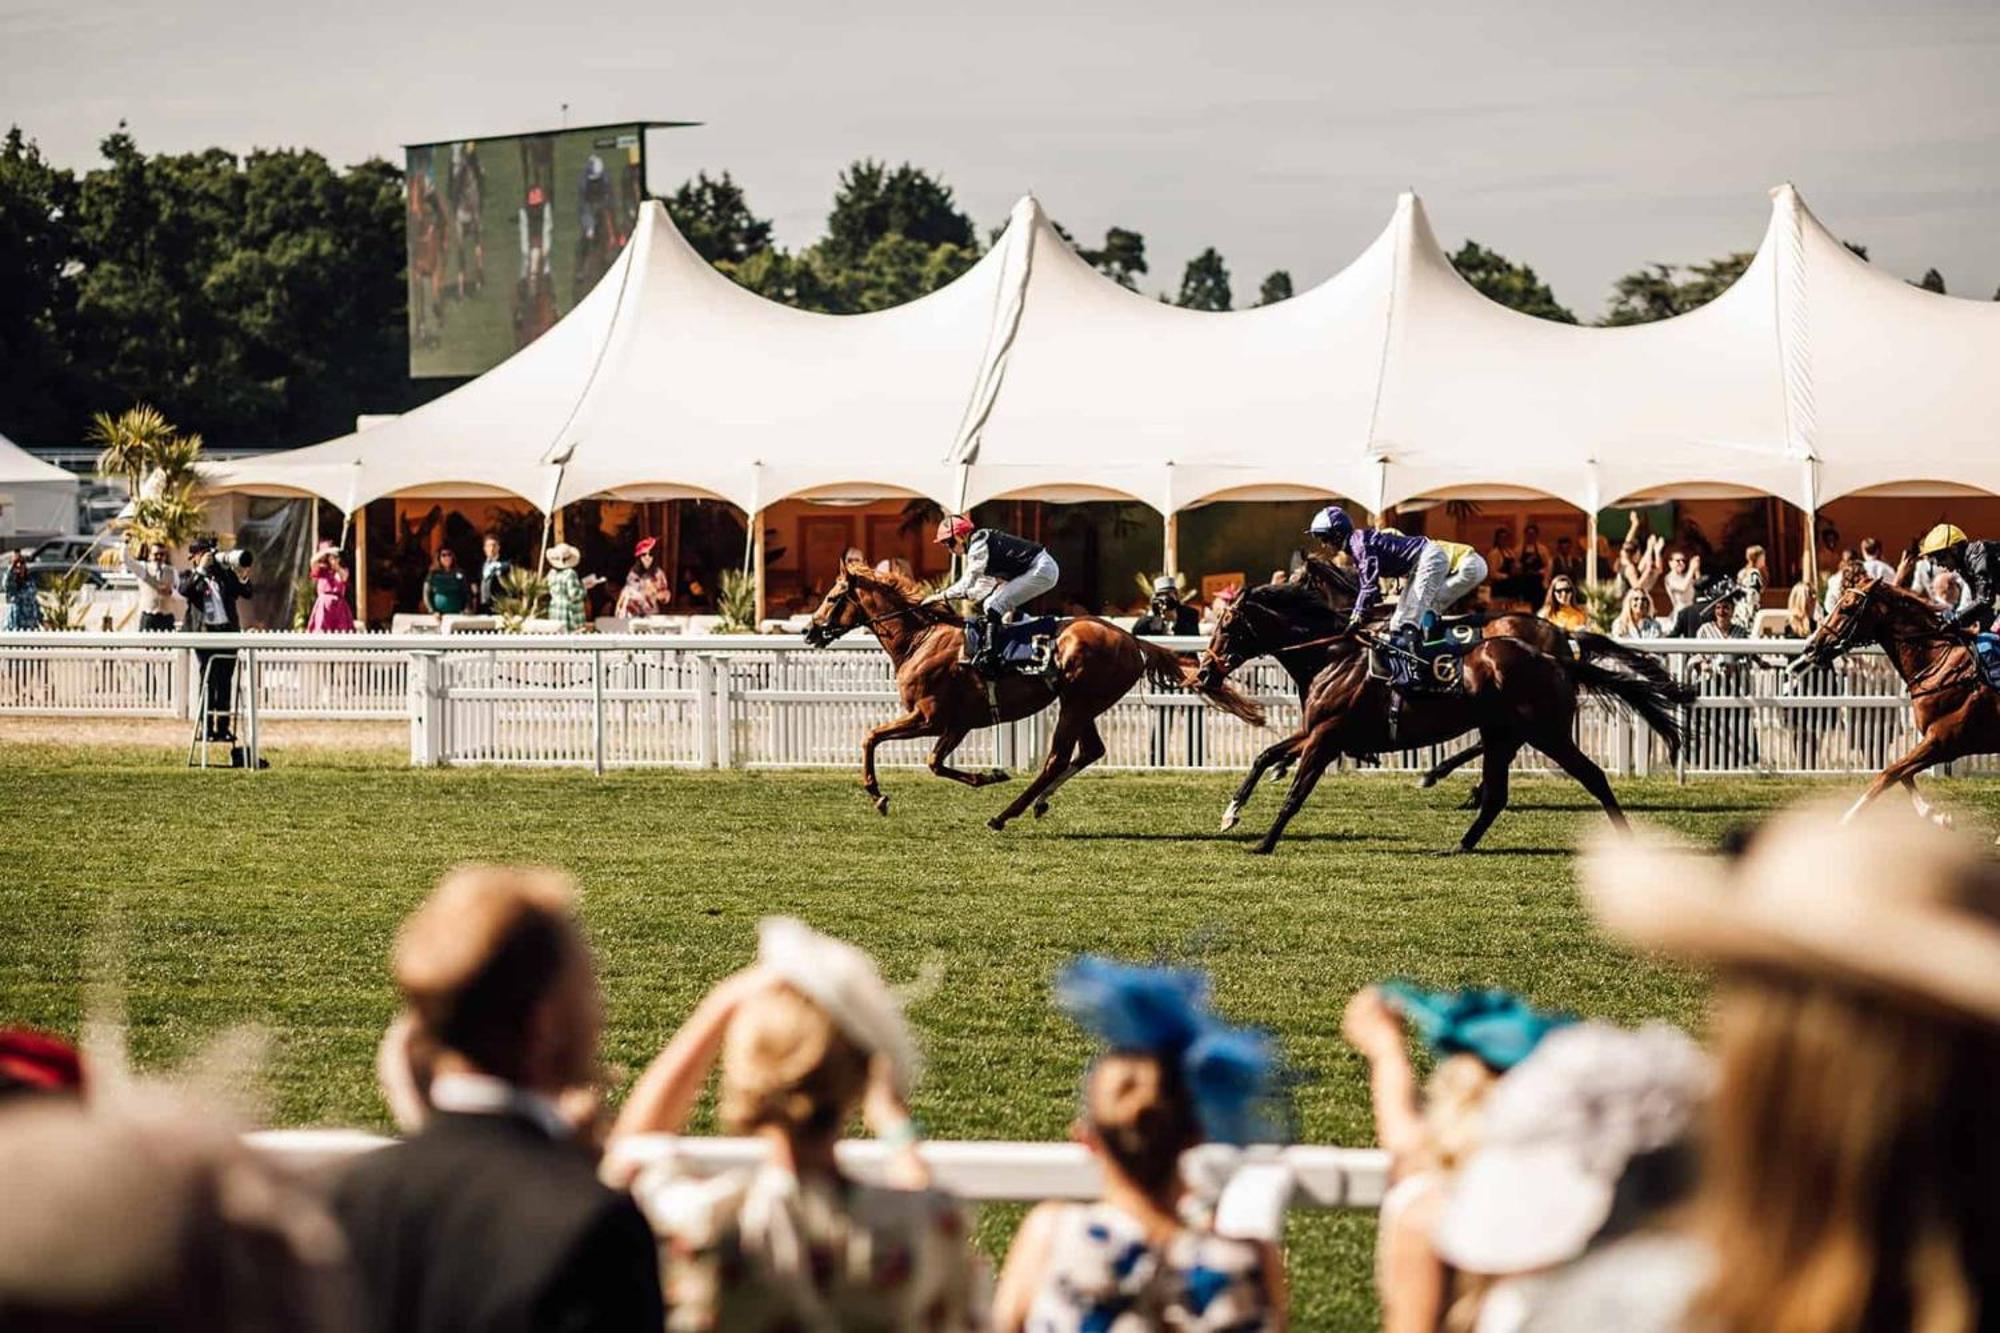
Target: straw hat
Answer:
[[1885, 902], [323, 550], [564, 556], [842, 980]]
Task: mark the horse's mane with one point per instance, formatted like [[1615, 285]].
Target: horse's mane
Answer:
[[1290, 599], [902, 585], [1322, 570]]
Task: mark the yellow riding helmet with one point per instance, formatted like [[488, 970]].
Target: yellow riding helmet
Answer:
[[1939, 537]]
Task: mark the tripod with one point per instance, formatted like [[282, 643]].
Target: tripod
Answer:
[[214, 726]]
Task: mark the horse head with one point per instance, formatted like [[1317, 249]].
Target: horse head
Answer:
[[1265, 619], [1856, 618], [838, 612]]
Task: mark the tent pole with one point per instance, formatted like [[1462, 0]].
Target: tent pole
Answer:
[[1810, 563], [757, 563], [558, 520], [1590, 551], [361, 568], [1172, 543]]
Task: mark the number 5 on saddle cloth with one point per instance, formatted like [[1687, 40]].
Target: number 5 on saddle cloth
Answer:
[[1027, 647]]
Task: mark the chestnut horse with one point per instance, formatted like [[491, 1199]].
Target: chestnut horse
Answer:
[[1095, 665], [1956, 713], [1512, 694]]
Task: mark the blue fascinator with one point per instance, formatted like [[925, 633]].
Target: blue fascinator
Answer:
[[1496, 1027], [1232, 1074]]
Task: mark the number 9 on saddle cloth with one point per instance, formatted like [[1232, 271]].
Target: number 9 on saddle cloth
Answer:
[[1435, 665]]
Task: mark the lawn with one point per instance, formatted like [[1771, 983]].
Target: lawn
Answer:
[[230, 898]]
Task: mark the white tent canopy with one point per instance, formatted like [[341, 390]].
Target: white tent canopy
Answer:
[[1033, 376], [35, 497]]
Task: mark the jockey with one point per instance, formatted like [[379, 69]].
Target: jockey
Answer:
[[1384, 552], [1002, 572], [1978, 563]]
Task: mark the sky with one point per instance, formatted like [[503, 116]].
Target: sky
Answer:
[[1585, 139]]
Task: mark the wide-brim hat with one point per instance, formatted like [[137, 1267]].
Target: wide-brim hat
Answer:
[[564, 556], [1882, 902], [844, 981], [323, 550], [1166, 583], [645, 544]]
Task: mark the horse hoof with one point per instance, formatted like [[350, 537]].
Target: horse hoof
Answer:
[[1041, 808], [1460, 850], [1427, 781], [998, 775], [1262, 849], [882, 806], [996, 823], [1230, 816]]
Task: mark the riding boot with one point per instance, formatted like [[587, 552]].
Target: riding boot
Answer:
[[988, 661]]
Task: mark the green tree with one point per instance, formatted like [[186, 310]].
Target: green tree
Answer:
[[1514, 285], [1122, 257], [874, 202], [1932, 281], [1277, 287], [38, 247], [1661, 291], [715, 217], [1205, 283]]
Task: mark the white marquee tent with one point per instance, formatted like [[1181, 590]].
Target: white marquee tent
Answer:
[[36, 498], [1032, 376]]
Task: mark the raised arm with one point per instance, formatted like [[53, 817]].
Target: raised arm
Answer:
[[1372, 1028], [666, 1093]]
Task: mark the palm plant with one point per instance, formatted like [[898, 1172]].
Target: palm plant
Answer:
[[127, 442], [60, 596], [736, 603], [172, 517], [524, 595]]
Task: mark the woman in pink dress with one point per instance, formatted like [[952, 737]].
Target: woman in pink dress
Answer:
[[330, 613]]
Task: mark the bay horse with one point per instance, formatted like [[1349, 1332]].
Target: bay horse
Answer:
[[1956, 712], [1305, 634], [1095, 665], [1513, 695]]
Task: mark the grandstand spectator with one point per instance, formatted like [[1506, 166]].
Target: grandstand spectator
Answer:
[[1170, 1076], [154, 572], [1567, 562], [1477, 1036], [1584, 1142], [493, 571], [1682, 577], [805, 1037], [145, 1214], [1801, 613], [1948, 593], [1534, 562], [1750, 581], [1563, 607], [1635, 617], [1847, 1179], [1167, 614], [1872, 561], [447, 592], [1640, 563], [490, 1216], [1503, 564], [648, 589]]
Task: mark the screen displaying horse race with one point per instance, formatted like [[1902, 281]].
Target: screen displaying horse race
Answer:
[[507, 234]]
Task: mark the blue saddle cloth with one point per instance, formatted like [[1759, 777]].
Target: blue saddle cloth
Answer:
[[1986, 652], [1018, 648]]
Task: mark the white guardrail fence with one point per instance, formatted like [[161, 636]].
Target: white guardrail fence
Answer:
[[734, 701], [1252, 1186]]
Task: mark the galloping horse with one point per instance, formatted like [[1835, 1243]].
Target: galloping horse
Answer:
[[1511, 693], [1095, 664], [1956, 713]]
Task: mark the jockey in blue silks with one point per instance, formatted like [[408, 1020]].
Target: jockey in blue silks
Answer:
[[1379, 553]]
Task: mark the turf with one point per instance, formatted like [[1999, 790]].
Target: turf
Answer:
[[226, 898]]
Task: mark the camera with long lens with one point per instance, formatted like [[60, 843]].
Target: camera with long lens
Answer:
[[235, 558]]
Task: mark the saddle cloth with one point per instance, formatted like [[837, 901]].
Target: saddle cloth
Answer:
[[1986, 652], [1024, 644]]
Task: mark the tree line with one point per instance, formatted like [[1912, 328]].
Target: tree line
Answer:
[[263, 295]]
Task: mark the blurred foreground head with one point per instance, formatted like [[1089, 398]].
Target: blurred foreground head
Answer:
[[150, 1218], [496, 973], [1849, 1179]]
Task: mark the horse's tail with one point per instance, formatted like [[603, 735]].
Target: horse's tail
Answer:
[[1168, 670], [1603, 649], [1656, 701]]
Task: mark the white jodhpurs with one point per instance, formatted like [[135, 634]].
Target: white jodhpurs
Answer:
[[1009, 597], [1460, 583], [1423, 589]]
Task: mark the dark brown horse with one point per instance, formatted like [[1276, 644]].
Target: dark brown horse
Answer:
[[1956, 713], [1512, 695], [1095, 665]]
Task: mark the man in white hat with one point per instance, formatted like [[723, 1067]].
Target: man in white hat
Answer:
[[1168, 613]]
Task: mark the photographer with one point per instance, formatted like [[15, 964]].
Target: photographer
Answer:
[[211, 586], [1168, 613]]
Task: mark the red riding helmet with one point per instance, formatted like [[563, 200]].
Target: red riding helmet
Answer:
[[953, 527]]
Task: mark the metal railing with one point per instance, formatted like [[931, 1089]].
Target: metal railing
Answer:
[[612, 701]]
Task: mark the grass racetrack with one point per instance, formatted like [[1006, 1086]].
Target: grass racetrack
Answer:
[[271, 899]]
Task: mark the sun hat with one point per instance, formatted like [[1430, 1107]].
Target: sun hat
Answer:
[[1555, 1136], [564, 556], [323, 550], [844, 981], [30, 1059], [1496, 1027], [1166, 583], [645, 544], [1883, 902]]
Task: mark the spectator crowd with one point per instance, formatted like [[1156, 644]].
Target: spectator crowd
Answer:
[[1821, 1166]]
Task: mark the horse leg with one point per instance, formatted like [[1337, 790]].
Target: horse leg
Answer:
[[1089, 749], [1446, 767], [946, 743], [1496, 758], [1927, 751], [1061, 746], [1283, 755], [909, 724], [1584, 769], [1320, 749]]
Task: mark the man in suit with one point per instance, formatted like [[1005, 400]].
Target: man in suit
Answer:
[[491, 1217], [211, 587]]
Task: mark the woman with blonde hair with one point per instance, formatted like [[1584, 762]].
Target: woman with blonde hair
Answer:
[[1801, 612], [1478, 1035], [1171, 1076], [1848, 1181], [1635, 618], [806, 1037]]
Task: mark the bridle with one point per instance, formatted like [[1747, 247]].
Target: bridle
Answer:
[[1243, 605], [827, 633], [1841, 642]]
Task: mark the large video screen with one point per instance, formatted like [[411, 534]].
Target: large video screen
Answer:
[[506, 235]]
